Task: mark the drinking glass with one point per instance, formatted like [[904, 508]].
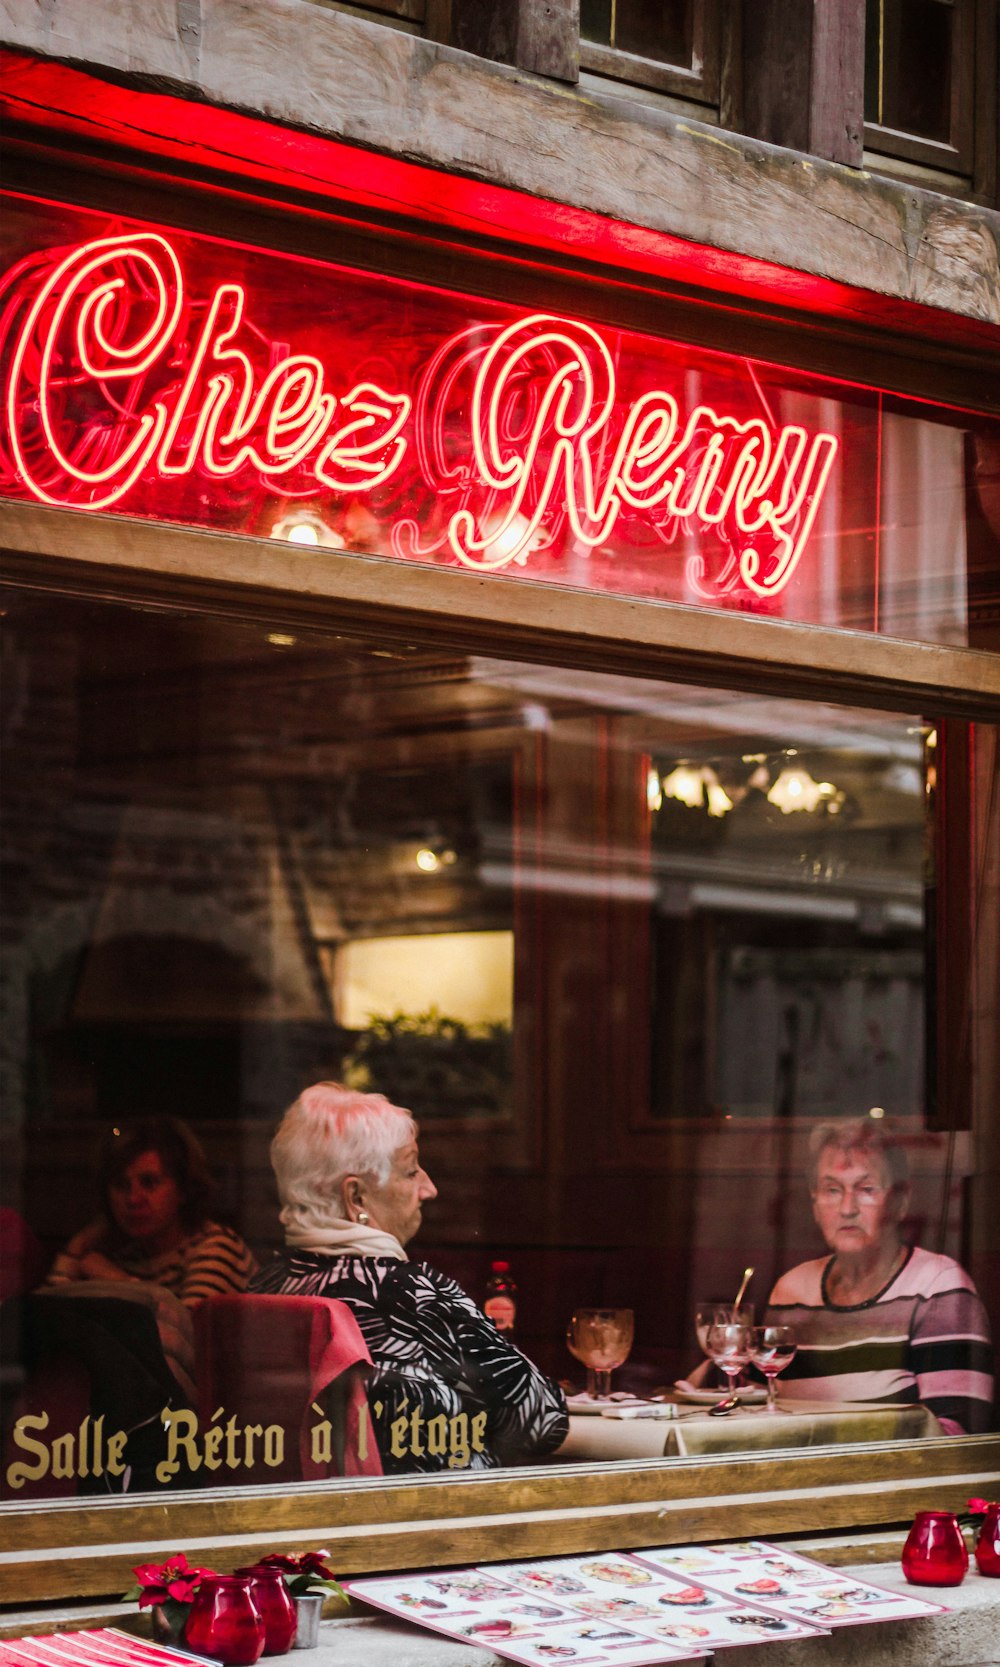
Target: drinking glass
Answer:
[[710, 1312], [772, 1348], [729, 1346], [602, 1339]]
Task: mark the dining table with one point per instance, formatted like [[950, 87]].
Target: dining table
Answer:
[[668, 1427]]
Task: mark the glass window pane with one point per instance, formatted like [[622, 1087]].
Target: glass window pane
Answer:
[[622, 945], [658, 29], [909, 66], [689, 475]]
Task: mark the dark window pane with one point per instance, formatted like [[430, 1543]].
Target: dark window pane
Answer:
[[909, 66], [660, 29], [595, 21]]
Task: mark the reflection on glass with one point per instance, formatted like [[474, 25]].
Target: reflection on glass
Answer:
[[650, 971]]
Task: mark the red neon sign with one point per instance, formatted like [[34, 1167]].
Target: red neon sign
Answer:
[[509, 442]]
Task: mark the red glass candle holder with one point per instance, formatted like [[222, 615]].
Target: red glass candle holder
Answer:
[[274, 1601], [988, 1542], [225, 1622], [935, 1552]]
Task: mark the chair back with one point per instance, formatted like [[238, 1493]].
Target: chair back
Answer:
[[290, 1372]]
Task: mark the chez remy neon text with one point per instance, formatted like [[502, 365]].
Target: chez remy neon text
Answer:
[[513, 429]]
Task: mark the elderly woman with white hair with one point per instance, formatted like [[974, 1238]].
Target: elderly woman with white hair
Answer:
[[878, 1319], [447, 1391]]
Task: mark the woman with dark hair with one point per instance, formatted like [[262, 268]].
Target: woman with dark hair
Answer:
[[155, 1225]]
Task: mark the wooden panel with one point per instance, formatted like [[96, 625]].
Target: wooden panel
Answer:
[[638, 166], [64, 550], [384, 1525], [837, 67], [537, 35]]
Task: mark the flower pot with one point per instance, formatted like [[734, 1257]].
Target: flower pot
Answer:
[[309, 1609], [166, 1630], [935, 1553], [225, 1622], [988, 1543]]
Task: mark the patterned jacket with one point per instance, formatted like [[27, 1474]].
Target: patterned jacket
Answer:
[[447, 1391]]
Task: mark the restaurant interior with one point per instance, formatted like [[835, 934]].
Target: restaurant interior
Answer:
[[618, 943]]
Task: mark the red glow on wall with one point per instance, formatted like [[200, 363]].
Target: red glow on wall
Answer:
[[128, 373]]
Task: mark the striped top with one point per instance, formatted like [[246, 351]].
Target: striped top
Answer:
[[211, 1262], [924, 1337], [436, 1357]]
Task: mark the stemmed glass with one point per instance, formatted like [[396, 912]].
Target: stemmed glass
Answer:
[[728, 1343], [772, 1348], [720, 1313], [601, 1338]]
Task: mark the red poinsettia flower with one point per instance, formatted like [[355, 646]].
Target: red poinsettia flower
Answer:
[[173, 1579], [977, 1507], [307, 1572]]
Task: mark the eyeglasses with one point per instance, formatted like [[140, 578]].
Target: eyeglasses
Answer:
[[865, 1195]]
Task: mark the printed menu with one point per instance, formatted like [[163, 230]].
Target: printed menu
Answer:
[[103, 1647], [671, 1603]]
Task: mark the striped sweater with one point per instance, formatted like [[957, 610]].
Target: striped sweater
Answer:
[[924, 1337]]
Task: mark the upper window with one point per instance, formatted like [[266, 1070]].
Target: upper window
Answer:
[[669, 45], [920, 81]]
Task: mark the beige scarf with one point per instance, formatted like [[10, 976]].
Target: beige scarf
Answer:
[[334, 1236]]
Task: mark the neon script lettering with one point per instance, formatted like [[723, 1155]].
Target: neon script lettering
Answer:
[[117, 376]]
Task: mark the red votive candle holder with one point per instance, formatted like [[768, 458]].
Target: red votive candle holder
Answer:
[[272, 1598], [988, 1542], [935, 1552], [225, 1622]]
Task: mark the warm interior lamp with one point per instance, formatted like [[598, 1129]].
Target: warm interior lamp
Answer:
[[696, 786], [795, 789], [654, 792], [509, 543], [429, 861], [304, 526]]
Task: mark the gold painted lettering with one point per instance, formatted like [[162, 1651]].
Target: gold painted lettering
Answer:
[[274, 1445], [397, 1436], [18, 1474], [63, 1454], [182, 1432], [213, 1441], [416, 1445], [115, 1462], [479, 1432], [437, 1435], [459, 1443], [249, 1431], [321, 1438]]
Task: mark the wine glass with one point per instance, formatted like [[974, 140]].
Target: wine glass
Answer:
[[709, 1313], [602, 1339], [728, 1343], [772, 1348]]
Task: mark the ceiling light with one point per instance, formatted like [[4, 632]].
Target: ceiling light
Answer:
[[794, 789], [304, 526], [427, 860]]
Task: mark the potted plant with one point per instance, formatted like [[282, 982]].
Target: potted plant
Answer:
[[309, 1583], [168, 1589], [439, 1067]]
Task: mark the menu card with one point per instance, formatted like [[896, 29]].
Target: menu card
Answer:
[[103, 1647], [787, 1583], [671, 1603]]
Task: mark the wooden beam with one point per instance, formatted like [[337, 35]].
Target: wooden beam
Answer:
[[803, 75], [542, 36]]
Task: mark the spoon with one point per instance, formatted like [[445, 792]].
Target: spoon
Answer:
[[741, 1293], [730, 1403]]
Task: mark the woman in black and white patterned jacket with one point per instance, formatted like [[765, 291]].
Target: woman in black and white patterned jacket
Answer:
[[447, 1391]]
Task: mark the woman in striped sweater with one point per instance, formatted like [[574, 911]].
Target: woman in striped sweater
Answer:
[[155, 1226], [878, 1319]]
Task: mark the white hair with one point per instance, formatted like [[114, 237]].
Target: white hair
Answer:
[[330, 1132]]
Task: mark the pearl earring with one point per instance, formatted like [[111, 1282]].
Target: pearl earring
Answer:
[[363, 1218]]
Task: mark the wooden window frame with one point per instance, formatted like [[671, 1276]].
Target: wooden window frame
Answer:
[[700, 83], [59, 1549], [970, 153]]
